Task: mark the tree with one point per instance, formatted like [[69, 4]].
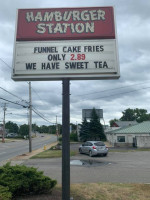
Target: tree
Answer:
[[12, 127], [128, 115], [35, 128], [141, 115], [84, 131], [52, 129], [24, 130], [74, 127], [44, 129], [96, 128], [112, 121], [137, 114]]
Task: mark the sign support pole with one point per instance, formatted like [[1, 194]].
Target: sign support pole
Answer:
[[65, 139], [30, 119]]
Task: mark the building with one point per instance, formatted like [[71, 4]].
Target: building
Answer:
[[131, 136], [123, 124]]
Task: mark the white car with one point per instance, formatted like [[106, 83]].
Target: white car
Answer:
[[12, 135]]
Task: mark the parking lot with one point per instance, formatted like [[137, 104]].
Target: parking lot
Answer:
[[121, 167]]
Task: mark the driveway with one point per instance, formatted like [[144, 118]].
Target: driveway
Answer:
[[118, 167]]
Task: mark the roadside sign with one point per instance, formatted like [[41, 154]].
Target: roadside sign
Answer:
[[74, 43], [65, 24], [65, 44], [87, 59], [86, 113]]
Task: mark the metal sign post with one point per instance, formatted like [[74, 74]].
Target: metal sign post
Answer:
[[65, 140]]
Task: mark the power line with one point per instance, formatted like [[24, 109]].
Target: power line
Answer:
[[34, 110], [13, 102], [112, 89], [116, 94], [36, 93], [5, 63], [13, 95], [42, 116]]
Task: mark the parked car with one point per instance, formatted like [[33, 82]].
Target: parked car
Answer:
[[12, 135], [93, 148]]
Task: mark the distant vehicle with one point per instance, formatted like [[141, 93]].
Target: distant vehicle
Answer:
[[12, 135], [93, 148]]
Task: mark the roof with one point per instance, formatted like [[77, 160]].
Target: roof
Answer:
[[139, 128], [125, 123]]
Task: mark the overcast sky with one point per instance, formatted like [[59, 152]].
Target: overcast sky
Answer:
[[132, 90]]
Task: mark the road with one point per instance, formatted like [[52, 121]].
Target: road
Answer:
[[18, 147]]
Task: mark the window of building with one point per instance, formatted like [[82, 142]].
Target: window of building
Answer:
[[121, 138]]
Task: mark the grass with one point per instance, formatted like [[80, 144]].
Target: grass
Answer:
[[129, 150], [58, 153], [52, 154], [100, 191], [109, 191]]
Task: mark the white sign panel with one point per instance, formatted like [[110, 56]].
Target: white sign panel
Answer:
[[76, 59]]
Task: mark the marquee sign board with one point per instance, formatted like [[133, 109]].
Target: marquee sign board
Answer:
[[74, 43], [65, 24], [86, 113]]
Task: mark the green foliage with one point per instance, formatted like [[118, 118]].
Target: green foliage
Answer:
[[111, 122], [52, 129], [12, 127], [128, 115], [24, 129], [85, 131], [73, 137], [96, 129], [35, 128], [74, 127], [137, 114], [92, 130], [5, 194], [60, 139], [22, 180], [44, 129]]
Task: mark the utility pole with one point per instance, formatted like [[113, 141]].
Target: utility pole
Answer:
[[30, 119], [3, 136], [56, 128]]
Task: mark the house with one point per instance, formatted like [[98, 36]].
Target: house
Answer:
[[131, 136]]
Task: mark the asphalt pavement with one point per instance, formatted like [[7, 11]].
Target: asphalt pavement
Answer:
[[117, 167], [13, 147]]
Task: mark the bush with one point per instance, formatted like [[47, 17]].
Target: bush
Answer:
[[60, 139], [73, 137], [22, 180], [4, 193]]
